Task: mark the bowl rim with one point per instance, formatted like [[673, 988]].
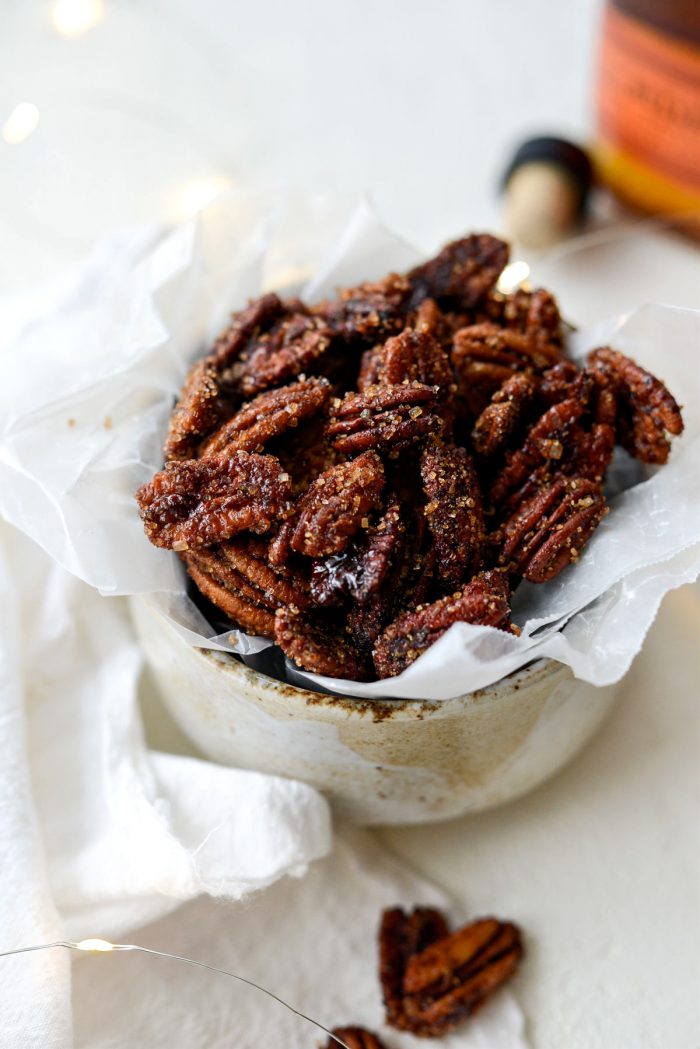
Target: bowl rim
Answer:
[[333, 707]]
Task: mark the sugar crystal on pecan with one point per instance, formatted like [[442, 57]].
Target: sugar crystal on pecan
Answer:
[[320, 646], [384, 417], [462, 273], [453, 510]]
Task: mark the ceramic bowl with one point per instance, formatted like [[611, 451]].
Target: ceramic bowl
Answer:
[[378, 762]]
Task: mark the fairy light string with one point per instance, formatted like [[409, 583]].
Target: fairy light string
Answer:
[[95, 945]]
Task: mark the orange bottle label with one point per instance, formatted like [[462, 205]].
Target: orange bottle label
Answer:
[[649, 98]]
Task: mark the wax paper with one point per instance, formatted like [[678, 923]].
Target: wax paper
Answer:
[[89, 385]]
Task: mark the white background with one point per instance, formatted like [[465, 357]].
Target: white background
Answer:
[[420, 104]]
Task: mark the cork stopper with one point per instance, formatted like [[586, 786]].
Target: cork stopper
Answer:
[[547, 185]]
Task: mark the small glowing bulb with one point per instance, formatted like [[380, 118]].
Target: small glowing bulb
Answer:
[[94, 945], [73, 17], [513, 276], [21, 123], [197, 194]]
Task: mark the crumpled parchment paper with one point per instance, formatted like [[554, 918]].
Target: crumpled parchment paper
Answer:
[[88, 388]]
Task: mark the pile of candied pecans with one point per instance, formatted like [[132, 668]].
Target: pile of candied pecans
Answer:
[[352, 478]]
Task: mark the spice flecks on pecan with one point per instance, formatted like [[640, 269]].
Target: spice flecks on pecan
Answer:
[[320, 647], [648, 412], [337, 505], [503, 416], [462, 273], [258, 316], [369, 312], [453, 511], [221, 586], [269, 415], [294, 344], [401, 935], [483, 601], [200, 502], [548, 531], [384, 417], [360, 570], [414, 356], [202, 405]]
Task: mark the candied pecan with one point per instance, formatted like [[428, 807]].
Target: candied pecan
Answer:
[[502, 417], [461, 274], [514, 350], [546, 442], [203, 403], [414, 356], [269, 415], [354, 1038], [557, 382], [216, 583], [592, 453], [369, 312], [453, 510], [336, 505], [200, 502], [550, 529], [648, 410], [450, 979], [368, 374], [362, 568], [259, 315], [532, 311], [384, 417], [401, 935], [321, 647], [484, 601], [249, 557], [294, 343]]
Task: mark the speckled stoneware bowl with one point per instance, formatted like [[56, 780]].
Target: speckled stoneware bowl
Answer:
[[391, 761]]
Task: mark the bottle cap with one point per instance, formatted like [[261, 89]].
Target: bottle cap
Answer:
[[547, 185]]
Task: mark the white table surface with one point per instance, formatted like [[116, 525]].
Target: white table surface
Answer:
[[419, 104]]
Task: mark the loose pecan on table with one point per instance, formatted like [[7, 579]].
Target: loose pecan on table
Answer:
[[355, 1038], [431, 980]]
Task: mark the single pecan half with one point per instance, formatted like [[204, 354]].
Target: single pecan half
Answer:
[[369, 312], [414, 356], [247, 324], [447, 981], [401, 935], [202, 405], [535, 312], [483, 601], [384, 417], [648, 411], [504, 415], [200, 502], [461, 274], [453, 510], [336, 506], [361, 568], [547, 443], [227, 589], [354, 1038], [293, 344], [321, 647], [549, 530], [269, 415]]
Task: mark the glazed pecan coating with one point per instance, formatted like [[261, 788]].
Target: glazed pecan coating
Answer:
[[484, 601], [370, 312], [432, 980], [202, 405], [648, 410], [360, 570], [461, 274], [354, 1038], [533, 312], [414, 356], [450, 979], [549, 530], [204, 501], [320, 646], [384, 417], [221, 586], [453, 510], [294, 344], [402, 935], [503, 416], [246, 325], [336, 506], [269, 415]]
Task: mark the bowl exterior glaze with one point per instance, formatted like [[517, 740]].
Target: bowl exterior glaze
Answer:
[[378, 762]]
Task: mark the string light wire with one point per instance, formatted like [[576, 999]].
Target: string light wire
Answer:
[[99, 946]]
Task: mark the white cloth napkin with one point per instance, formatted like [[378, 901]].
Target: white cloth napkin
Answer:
[[100, 835]]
